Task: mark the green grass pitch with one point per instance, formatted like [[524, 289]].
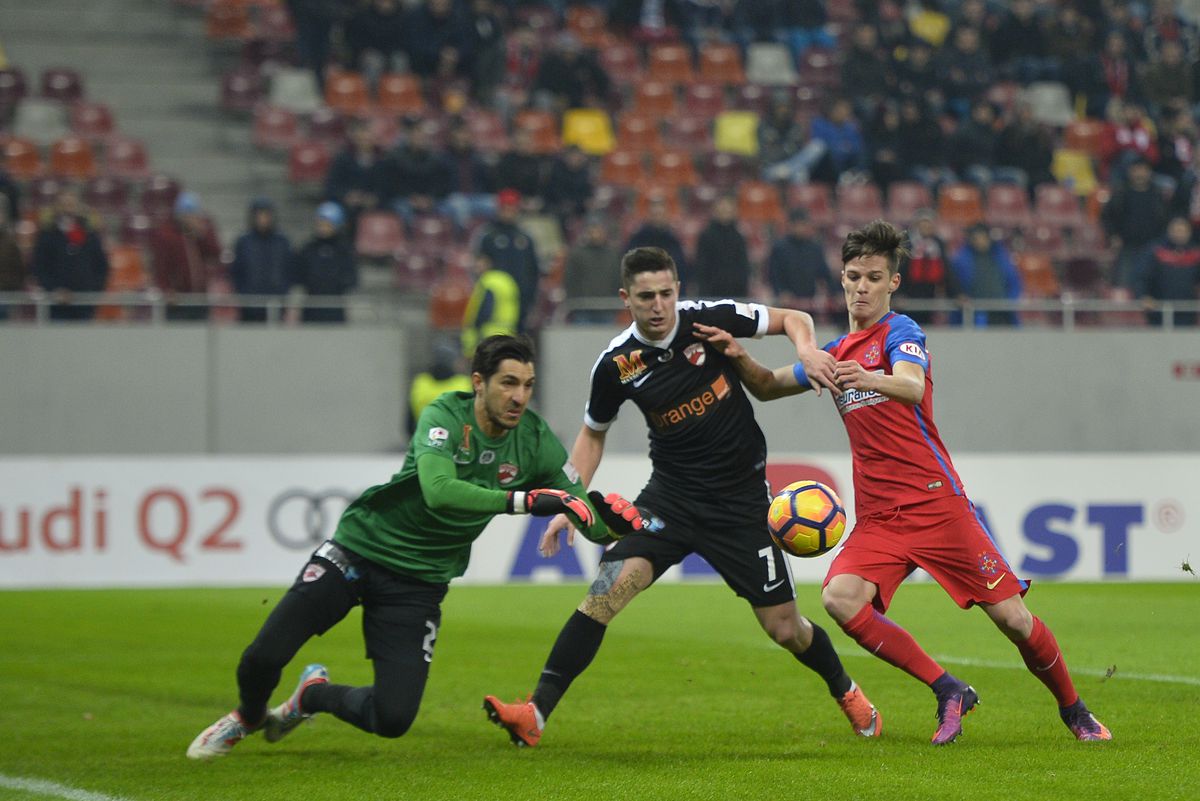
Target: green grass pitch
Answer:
[[102, 691]]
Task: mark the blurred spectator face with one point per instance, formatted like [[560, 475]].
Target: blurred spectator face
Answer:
[[596, 232], [1179, 231], [865, 37], [576, 159], [920, 54], [983, 115], [325, 229], [910, 112], [1022, 9], [802, 228], [1172, 53], [973, 12], [966, 39], [361, 137], [264, 220], [418, 139], [387, 7], [1139, 175], [725, 209], [460, 139], [439, 8], [658, 212], [1114, 45], [840, 112], [68, 203], [926, 225], [980, 240], [523, 141]]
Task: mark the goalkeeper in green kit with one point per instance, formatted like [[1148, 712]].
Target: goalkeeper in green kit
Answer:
[[396, 548]]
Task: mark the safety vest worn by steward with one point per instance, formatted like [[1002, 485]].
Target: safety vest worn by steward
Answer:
[[494, 308]]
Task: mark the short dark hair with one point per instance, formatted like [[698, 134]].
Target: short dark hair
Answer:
[[498, 347], [645, 260], [877, 238]]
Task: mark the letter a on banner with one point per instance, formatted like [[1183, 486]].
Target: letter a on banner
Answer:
[[566, 562]]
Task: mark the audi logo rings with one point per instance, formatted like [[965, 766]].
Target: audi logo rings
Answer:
[[301, 519]]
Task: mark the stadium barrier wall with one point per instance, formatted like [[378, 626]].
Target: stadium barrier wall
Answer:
[[228, 521]]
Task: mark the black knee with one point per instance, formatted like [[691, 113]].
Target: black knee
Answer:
[[392, 723]]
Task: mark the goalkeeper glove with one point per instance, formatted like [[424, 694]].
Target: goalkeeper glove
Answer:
[[621, 516], [547, 502]]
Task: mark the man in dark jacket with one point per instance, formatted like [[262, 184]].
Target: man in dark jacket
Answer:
[[325, 265], [796, 266], [656, 233], [420, 177], [1134, 218], [356, 176], [260, 260], [722, 258], [68, 257], [1171, 271], [509, 249]]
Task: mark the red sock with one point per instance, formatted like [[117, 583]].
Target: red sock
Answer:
[[1044, 660], [892, 644]]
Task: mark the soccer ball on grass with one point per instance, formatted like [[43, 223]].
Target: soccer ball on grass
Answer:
[[806, 519]]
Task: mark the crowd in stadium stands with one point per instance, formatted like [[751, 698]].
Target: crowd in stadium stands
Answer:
[[1033, 148]]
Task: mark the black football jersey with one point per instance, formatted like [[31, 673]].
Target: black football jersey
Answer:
[[703, 435]]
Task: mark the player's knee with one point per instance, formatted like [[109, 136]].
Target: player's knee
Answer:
[[784, 633], [1016, 623], [395, 722], [840, 606]]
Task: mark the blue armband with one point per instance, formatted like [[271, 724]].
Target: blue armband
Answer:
[[801, 375]]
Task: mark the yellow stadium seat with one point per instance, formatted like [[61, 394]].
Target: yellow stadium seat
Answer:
[[590, 129], [1073, 168], [737, 132]]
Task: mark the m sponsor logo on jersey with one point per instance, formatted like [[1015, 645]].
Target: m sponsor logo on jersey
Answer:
[[871, 357], [912, 349], [694, 353], [631, 366], [697, 406], [506, 473], [853, 399], [438, 437]]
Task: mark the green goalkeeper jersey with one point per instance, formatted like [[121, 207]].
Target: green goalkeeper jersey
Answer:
[[422, 524]]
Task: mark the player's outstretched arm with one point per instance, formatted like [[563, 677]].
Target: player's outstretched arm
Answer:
[[762, 382], [586, 454], [799, 328], [906, 383]]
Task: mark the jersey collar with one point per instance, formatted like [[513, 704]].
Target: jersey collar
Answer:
[[665, 342]]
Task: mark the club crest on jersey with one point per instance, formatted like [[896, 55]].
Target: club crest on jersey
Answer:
[[438, 437], [507, 473], [487, 457], [463, 454], [694, 353], [312, 572], [912, 349], [871, 357], [989, 563], [629, 367]]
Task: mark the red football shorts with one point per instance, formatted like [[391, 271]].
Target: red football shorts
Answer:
[[944, 537]]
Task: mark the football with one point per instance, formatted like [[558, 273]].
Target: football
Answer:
[[806, 519]]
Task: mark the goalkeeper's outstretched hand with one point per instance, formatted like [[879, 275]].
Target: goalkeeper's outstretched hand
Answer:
[[621, 516], [549, 502]]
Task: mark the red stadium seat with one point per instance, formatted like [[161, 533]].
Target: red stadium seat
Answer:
[[698, 199], [859, 203], [649, 193], [691, 133], [1008, 207], [92, 121], [905, 199], [274, 23], [487, 130], [622, 168], [431, 234], [622, 63], [42, 192], [1057, 205], [21, 158], [1085, 135], [72, 157], [1046, 240], [228, 19], [13, 89], [752, 97], [724, 170], [638, 132], [308, 162], [721, 63], [158, 195], [400, 94], [137, 229], [127, 158], [670, 63], [542, 126], [107, 194], [673, 169], [758, 202], [703, 99], [1037, 275], [448, 299], [819, 68], [655, 97], [327, 126], [960, 204], [242, 89], [126, 273], [346, 92], [379, 235], [275, 128], [813, 198], [63, 84]]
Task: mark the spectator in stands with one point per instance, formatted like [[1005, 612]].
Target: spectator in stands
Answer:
[[494, 306], [722, 265], [374, 35], [1171, 271], [1134, 218], [12, 263], [802, 25], [656, 233], [883, 146], [589, 272], [917, 75], [965, 70], [922, 144], [314, 21], [509, 249], [524, 169], [1176, 146], [68, 256], [261, 259], [1070, 42], [1026, 146], [780, 134], [185, 253], [419, 177], [570, 77], [1165, 24], [866, 75], [985, 270], [838, 130], [1185, 201], [357, 175], [472, 186], [569, 185], [11, 191], [325, 265], [973, 145], [1128, 137], [926, 273], [1018, 45], [1111, 74], [445, 373], [974, 14], [647, 21], [436, 39], [1167, 82], [486, 49], [796, 267]]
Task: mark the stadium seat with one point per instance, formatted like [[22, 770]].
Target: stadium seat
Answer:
[[448, 301], [62, 84], [307, 163], [136, 229], [346, 93], [1037, 275], [673, 169], [813, 198], [701, 98], [1003, 95], [431, 234], [274, 23], [296, 90], [379, 235], [72, 157], [638, 132], [690, 132], [274, 128], [92, 121], [610, 201], [590, 129], [724, 170], [688, 228], [400, 94], [905, 199], [770, 64], [586, 22], [809, 100], [1083, 277], [622, 168], [649, 193], [654, 97], [1046, 240], [487, 130], [127, 158], [736, 132], [158, 196], [1008, 207], [386, 130], [414, 271], [126, 273], [542, 126], [722, 64], [241, 90], [752, 97], [13, 89], [1057, 205], [1050, 102], [42, 121], [842, 11], [670, 63], [107, 194], [1073, 169], [960, 204], [21, 158], [858, 204], [622, 63], [328, 127], [819, 68], [758, 202], [1090, 241], [42, 192], [698, 199], [1084, 135], [228, 20]]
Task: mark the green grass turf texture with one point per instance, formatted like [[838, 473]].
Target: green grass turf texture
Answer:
[[103, 691]]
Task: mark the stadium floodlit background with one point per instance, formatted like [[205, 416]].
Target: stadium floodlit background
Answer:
[[165, 465]]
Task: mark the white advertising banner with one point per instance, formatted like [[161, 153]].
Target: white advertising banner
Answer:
[[130, 522]]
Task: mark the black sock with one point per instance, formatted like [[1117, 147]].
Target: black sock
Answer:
[[577, 643], [823, 660]]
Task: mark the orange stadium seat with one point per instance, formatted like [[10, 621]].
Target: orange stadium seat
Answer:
[[13, 89], [752, 97], [690, 132], [378, 235], [62, 84], [698, 199], [307, 163], [859, 203], [724, 170], [758, 202], [431, 234], [107, 194], [72, 157], [1057, 205], [400, 94], [346, 92], [622, 168], [1046, 240], [542, 125], [126, 273], [1037, 275], [622, 63], [638, 132], [813, 198], [673, 169], [905, 199], [43, 191], [241, 90], [158, 195], [670, 63], [587, 23], [1084, 135], [136, 229], [819, 68], [448, 301], [721, 63], [327, 126], [93, 121], [960, 204], [228, 19], [21, 158], [1008, 207], [127, 158], [274, 128], [702, 98], [651, 193], [487, 130], [274, 23], [654, 97]]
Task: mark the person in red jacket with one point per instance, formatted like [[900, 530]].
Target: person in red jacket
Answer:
[[186, 254]]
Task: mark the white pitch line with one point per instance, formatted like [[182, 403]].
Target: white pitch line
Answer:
[[53, 789]]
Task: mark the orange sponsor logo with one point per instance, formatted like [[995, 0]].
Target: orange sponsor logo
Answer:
[[696, 406]]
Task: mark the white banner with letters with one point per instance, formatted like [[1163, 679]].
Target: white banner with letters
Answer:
[[174, 521]]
